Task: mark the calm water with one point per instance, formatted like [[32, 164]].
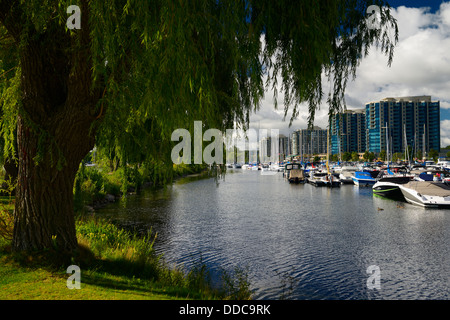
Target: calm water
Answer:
[[298, 241]]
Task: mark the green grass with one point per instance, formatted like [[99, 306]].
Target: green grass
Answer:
[[114, 264], [29, 283]]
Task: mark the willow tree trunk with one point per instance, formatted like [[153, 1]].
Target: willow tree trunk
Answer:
[[44, 216], [55, 131]]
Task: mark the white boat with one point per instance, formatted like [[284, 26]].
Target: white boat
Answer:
[[331, 181], [346, 175], [316, 178], [427, 194], [445, 164], [274, 167]]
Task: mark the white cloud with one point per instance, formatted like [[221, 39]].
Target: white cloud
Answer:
[[421, 66], [445, 133]]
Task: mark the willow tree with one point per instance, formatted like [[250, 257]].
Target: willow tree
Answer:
[[136, 70]]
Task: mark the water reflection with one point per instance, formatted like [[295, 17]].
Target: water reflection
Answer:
[[319, 240]]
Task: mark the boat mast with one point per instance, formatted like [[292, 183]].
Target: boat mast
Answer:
[[387, 145], [423, 144], [406, 145], [328, 149]]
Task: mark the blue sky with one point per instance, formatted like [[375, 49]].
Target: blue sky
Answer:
[[421, 66], [433, 4]]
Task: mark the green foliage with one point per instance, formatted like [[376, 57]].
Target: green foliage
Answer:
[[304, 39], [163, 64], [6, 209], [346, 156], [433, 154], [93, 185], [237, 285], [397, 156], [369, 156], [127, 253], [9, 97], [383, 155]]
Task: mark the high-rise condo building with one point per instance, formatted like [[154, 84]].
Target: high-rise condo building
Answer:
[[394, 123], [309, 142], [348, 132]]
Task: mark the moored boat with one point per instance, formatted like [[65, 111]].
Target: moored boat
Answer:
[[330, 180], [316, 178], [363, 179], [346, 174], [389, 187], [427, 194], [294, 173]]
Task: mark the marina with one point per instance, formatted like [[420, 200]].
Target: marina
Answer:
[[296, 240]]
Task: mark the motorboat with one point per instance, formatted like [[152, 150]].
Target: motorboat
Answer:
[[346, 174], [316, 178], [274, 167], [330, 180], [445, 164], [427, 194], [363, 179], [389, 186], [294, 173]]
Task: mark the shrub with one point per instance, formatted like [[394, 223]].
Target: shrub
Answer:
[[7, 209]]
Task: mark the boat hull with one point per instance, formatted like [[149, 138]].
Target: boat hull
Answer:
[[419, 198], [363, 182], [346, 180], [389, 187], [388, 190], [316, 182], [296, 180]]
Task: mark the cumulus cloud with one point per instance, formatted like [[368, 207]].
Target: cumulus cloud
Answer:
[[445, 133], [421, 66]]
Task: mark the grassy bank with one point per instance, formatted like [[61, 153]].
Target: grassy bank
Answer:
[[114, 263]]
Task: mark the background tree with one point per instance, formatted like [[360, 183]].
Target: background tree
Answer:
[[397, 156], [366, 155], [383, 155], [433, 154], [136, 70], [346, 156]]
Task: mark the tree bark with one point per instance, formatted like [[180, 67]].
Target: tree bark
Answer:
[[55, 131], [44, 216]]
